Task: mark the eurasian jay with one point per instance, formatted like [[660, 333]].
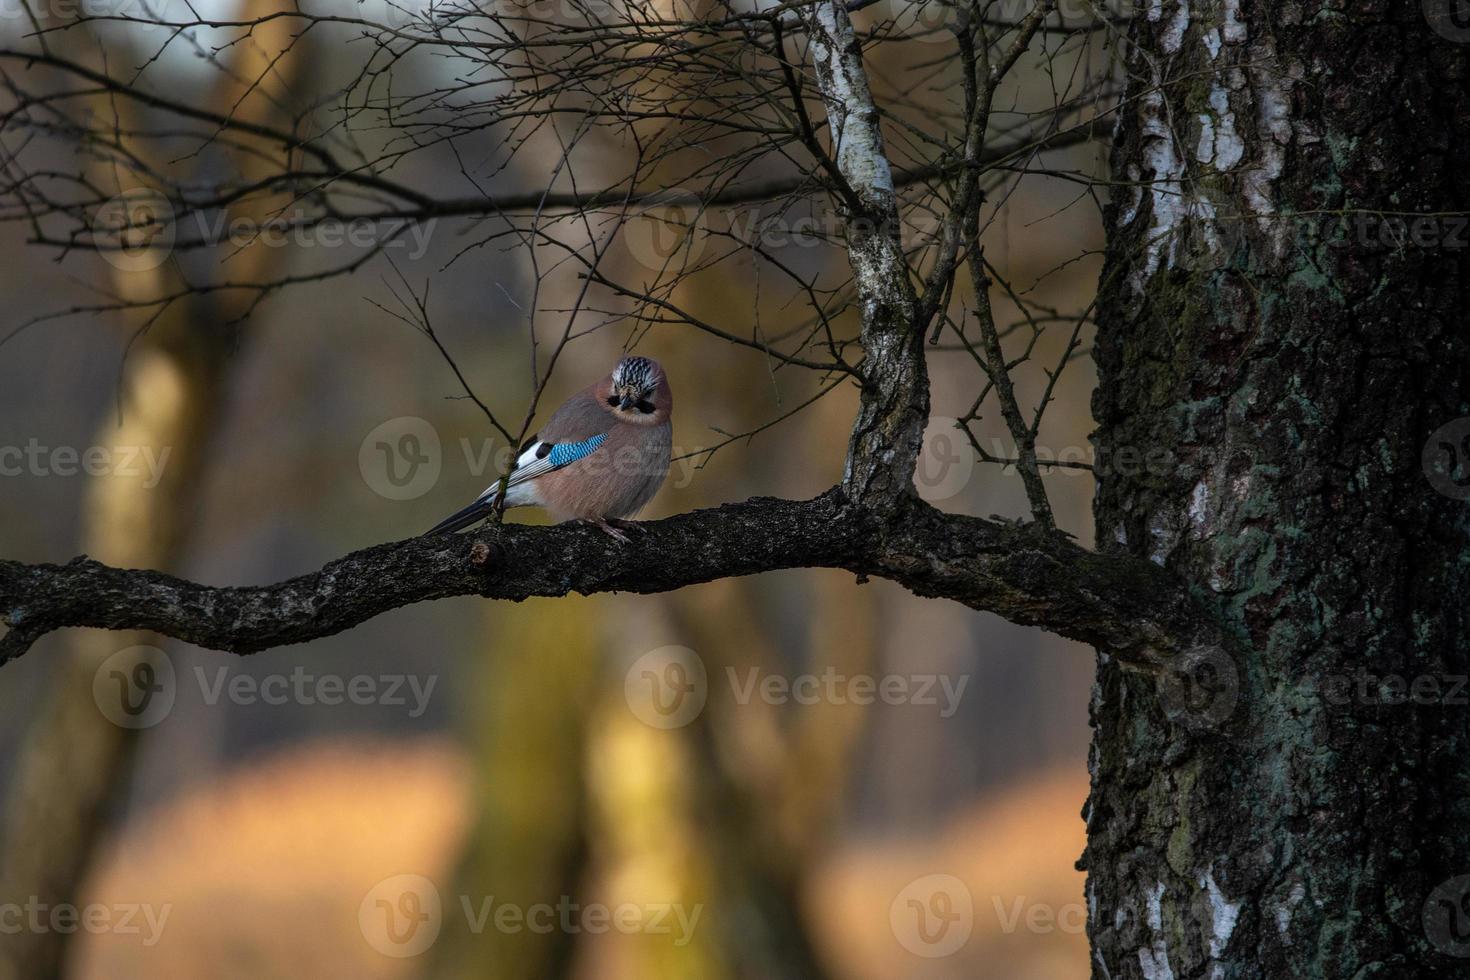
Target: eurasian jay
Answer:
[[602, 455]]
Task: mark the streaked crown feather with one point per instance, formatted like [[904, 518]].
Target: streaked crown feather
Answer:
[[635, 372]]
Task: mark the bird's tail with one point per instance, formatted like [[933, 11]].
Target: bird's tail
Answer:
[[473, 514]]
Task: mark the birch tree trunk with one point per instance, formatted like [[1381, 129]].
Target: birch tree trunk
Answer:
[[1295, 805]]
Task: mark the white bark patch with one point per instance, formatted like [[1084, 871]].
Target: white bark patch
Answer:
[[1234, 30], [853, 119], [1199, 509], [1205, 152], [1273, 120], [1177, 214], [1223, 915], [1219, 143], [1283, 912], [1166, 188], [1173, 37], [858, 145], [1135, 196], [1153, 960], [1173, 34], [1163, 538]]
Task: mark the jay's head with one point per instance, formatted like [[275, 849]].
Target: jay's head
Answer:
[[637, 392]]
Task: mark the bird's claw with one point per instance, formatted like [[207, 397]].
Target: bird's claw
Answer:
[[613, 532]]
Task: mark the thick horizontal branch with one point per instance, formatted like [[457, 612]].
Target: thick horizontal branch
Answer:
[[1126, 606]]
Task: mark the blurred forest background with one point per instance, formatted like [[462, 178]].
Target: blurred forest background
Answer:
[[530, 775]]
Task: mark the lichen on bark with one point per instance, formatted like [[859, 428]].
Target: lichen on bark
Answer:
[[1245, 820]]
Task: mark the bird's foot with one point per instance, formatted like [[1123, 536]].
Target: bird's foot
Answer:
[[613, 532]]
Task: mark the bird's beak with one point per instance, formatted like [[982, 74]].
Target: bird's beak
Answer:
[[628, 402]]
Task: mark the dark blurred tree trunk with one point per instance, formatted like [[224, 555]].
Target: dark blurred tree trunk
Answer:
[[174, 388], [529, 712], [75, 760], [1281, 808]]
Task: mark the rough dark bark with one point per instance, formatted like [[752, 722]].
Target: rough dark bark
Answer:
[[1127, 604], [1275, 811]]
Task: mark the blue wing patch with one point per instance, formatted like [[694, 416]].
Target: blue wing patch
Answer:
[[540, 458], [569, 452]]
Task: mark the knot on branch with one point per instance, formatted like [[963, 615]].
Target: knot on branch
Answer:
[[483, 552]]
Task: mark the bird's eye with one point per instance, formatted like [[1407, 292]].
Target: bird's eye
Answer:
[[613, 400], [646, 407]]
